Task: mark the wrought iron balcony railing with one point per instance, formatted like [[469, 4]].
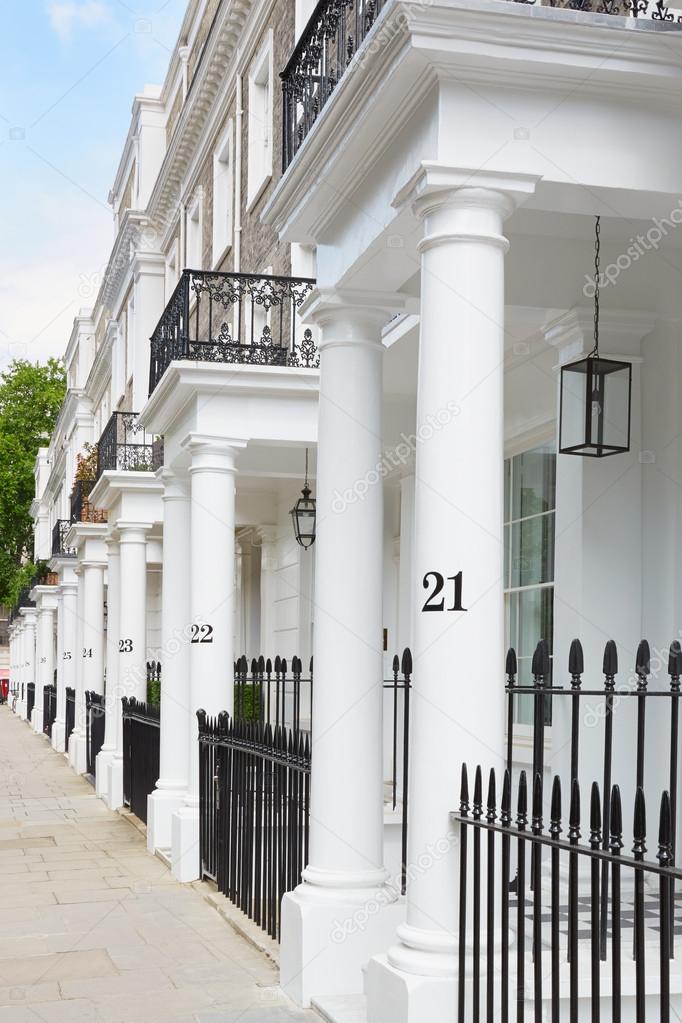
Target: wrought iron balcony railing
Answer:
[[82, 509], [124, 445], [59, 547], [337, 29], [234, 318]]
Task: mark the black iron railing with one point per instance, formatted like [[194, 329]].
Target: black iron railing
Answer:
[[255, 812], [234, 318], [608, 701], [124, 446], [59, 547], [541, 934], [274, 692], [326, 51], [94, 728], [30, 699], [82, 509], [49, 709], [69, 714], [248, 765], [141, 734]]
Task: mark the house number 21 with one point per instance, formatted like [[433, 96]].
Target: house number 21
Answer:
[[436, 582]]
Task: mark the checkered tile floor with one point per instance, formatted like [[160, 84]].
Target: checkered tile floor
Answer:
[[627, 914]]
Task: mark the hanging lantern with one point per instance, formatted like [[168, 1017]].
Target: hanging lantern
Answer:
[[303, 514], [594, 414]]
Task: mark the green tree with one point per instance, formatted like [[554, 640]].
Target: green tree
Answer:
[[30, 399]]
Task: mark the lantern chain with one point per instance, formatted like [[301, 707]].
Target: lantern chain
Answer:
[[597, 232]]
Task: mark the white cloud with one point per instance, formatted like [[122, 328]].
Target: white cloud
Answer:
[[68, 15]]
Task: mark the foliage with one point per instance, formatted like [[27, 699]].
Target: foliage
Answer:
[[154, 691], [86, 463], [30, 399], [246, 703]]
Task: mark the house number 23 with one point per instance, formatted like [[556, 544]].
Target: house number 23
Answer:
[[125, 646], [436, 582]]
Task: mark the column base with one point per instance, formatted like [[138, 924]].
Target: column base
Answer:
[[394, 996], [78, 753], [104, 758], [185, 865], [59, 736], [162, 804], [328, 935], [37, 720], [114, 796]]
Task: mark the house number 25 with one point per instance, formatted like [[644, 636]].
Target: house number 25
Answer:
[[436, 582]]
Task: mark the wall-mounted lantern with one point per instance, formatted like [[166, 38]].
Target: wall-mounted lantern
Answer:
[[594, 413], [304, 514]]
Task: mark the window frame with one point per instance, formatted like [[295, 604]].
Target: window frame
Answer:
[[223, 213], [522, 730], [260, 142]]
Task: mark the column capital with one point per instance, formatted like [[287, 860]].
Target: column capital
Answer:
[[212, 453], [133, 532], [352, 316], [175, 485], [267, 534], [438, 184]]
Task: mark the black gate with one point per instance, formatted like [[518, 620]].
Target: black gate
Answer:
[[30, 699], [141, 732], [607, 919], [49, 709], [94, 728], [70, 714], [255, 809]]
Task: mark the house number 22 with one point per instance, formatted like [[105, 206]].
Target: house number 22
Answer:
[[202, 634], [436, 582]]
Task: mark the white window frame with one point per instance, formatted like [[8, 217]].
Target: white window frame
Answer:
[[172, 271], [523, 732], [260, 123], [223, 195], [194, 232]]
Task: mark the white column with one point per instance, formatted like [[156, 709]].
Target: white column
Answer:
[[22, 666], [91, 653], [459, 650], [30, 620], [268, 568], [112, 701], [69, 657], [212, 552], [76, 743], [171, 787], [58, 739], [345, 868], [406, 586], [132, 655], [45, 656]]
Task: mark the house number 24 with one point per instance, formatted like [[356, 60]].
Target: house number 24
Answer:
[[436, 582]]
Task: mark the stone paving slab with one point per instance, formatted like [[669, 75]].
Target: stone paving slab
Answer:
[[94, 929]]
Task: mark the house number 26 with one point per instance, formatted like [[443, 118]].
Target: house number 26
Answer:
[[436, 582]]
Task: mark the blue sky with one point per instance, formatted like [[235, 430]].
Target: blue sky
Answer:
[[69, 70]]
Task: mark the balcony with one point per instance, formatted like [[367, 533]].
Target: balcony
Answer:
[[248, 319], [125, 447], [59, 547], [82, 510], [337, 29]]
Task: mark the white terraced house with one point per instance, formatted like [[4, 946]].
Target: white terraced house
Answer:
[[388, 357]]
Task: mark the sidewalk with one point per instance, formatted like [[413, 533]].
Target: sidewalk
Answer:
[[93, 928]]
